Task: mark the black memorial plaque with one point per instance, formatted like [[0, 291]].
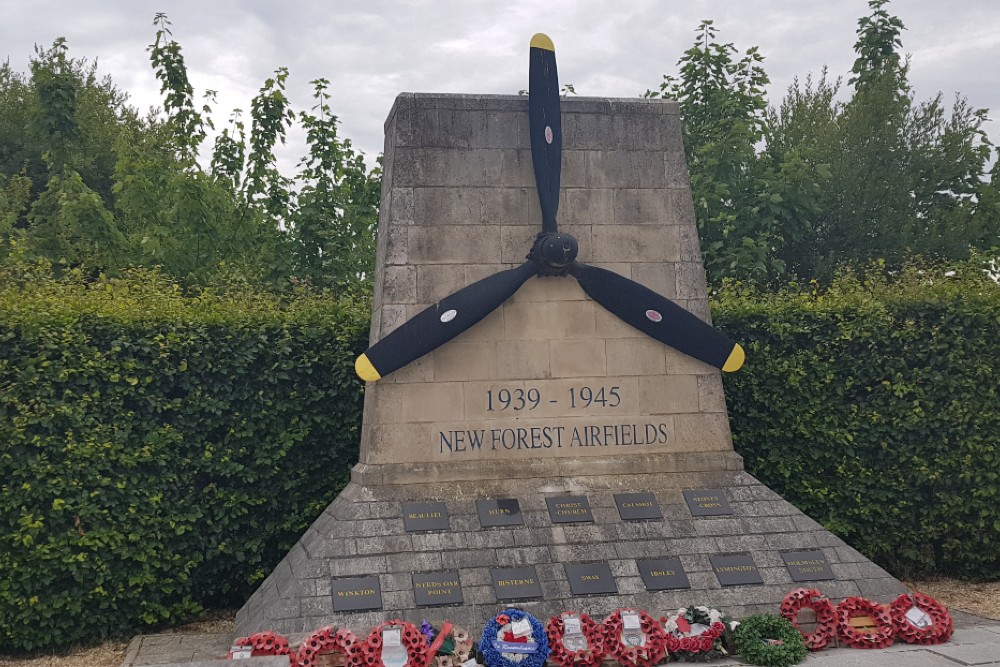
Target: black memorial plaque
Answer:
[[356, 594], [569, 509], [515, 583], [435, 589], [590, 579], [736, 570], [707, 502], [420, 517], [637, 506], [500, 512], [810, 565], [663, 574]]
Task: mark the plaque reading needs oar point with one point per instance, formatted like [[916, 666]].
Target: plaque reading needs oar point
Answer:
[[569, 509], [809, 565], [590, 579], [515, 583], [500, 512], [736, 570], [663, 574], [421, 517], [707, 502], [434, 589], [356, 594], [638, 506]]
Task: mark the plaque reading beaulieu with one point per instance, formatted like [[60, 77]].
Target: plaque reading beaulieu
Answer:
[[420, 517], [663, 574], [590, 579], [501, 512], [707, 502], [736, 570], [356, 594], [515, 583], [810, 565], [638, 506], [569, 509], [434, 589]]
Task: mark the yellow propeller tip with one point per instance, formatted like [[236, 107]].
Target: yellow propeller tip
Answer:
[[541, 41], [735, 360], [363, 367]]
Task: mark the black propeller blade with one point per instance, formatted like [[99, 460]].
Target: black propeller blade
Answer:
[[545, 127]]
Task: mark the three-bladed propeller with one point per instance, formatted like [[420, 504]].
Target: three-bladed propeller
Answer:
[[552, 254]]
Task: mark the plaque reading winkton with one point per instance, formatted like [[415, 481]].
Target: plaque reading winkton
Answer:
[[569, 509], [736, 570], [663, 574], [707, 502], [638, 506], [501, 512], [515, 583], [590, 579], [420, 517], [434, 589], [809, 565], [356, 594]]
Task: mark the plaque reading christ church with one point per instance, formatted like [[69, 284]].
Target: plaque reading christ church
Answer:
[[569, 509]]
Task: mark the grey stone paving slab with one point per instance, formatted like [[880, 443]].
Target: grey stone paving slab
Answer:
[[985, 653]]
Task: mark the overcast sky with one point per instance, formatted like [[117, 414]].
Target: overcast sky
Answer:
[[373, 50]]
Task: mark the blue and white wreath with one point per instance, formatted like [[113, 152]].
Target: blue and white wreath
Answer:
[[501, 649]]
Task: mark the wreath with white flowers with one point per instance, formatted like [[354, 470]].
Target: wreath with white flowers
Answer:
[[645, 654], [447, 645], [852, 607], [329, 640], [826, 615], [590, 656], [930, 623], [412, 641], [694, 634], [503, 645]]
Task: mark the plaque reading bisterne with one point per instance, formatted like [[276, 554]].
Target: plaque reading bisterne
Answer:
[[707, 502], [638, 507], [421, 517], [663, 574], [435, 589], [736, 570], [356, 594], [590, 579], [809, 565], [500, 512], [515, 583], [569, 509]]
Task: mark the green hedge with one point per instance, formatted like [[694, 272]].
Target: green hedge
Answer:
[[875, 409], [160, 452]]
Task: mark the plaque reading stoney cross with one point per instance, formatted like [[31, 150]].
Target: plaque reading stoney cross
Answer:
[[637, 506], [590, 579], [501, 512], [419, 517], [356, 594], [433, 589], [707, 502], [736, 570], [663, 574], [515, 583], [569, 509], [810, 565]]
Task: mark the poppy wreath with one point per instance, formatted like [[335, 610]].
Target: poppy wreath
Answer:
[[857, 606], [826, 616], [413, 641], [592, 656], [937, 633], [499, 628], [694, 648], [267, 643], [448, 645], [329, 640], [634, 656]]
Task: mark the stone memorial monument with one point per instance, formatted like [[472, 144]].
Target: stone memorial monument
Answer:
[[551, 455]]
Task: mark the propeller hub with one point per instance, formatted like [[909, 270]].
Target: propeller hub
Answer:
[[553, 253]]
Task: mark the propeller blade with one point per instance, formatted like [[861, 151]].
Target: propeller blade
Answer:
[[659, 317], [439, 323], [545, 127]]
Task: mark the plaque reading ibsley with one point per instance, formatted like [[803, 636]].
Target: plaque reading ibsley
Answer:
[[501, 512], [569, 509], [515, 583], [638, 506], [590, 579], [356, 594], [663, 574], [433, 589], [420, 517], [736, 570], [810, 565], [707, 502]]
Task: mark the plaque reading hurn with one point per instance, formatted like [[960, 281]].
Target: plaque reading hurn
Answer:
[[590, 579], [638, 506], [501, 512], [663, 574], [707, 502], [569, 509], [434, 589], [356, 594], [515, 583], [421, 517], [808, 565], [736, 570]]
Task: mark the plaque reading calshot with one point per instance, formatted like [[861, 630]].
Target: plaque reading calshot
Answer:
[[663, 574], [707, 502], [638, 506], [809, 565], [515, 583], [500, 512], [569, 509], [590, 579], [356, 594], [736, 570], [434, 589], [421, 517]]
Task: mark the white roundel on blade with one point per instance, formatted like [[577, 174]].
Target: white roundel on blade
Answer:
[[548, 134], [448, 315], [654, 316]]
